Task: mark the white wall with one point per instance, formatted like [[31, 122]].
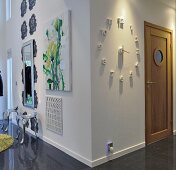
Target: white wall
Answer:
[[99, 108], [3, 99], [118, 109], [76, 139]]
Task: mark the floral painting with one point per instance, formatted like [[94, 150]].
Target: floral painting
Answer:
[[57, 61]]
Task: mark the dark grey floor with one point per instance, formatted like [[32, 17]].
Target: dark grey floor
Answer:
[[38, 155]]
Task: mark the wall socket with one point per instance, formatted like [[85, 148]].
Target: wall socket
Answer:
[[109, 148]]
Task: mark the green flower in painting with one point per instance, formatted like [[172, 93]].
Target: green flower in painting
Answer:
[[56, 25], [52, 50], [52, 58]]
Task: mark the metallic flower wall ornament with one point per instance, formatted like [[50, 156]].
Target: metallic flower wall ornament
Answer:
[[22, 76], [31, 4], [32, 24], [35, 74], [35, 99], [22, 54], [23, 8], [23, 30], [35, 49], [22, 97]]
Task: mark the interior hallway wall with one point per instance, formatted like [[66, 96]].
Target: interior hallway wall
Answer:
[[118, 109], [76, 139], [3, 99], [99, 108]]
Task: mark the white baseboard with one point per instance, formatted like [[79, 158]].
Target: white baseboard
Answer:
[[69, 152], [96, 162], [117, 154], [174, 132]]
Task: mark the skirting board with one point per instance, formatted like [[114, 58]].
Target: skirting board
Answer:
[[118, 154], [85, 160], [69, 152], [98, 161]]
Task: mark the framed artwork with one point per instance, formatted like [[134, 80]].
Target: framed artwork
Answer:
[[57, 59]]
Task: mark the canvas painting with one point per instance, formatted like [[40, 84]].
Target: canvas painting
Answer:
[[57, 59]]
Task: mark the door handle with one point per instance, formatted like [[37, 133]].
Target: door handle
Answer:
[[151, 82]]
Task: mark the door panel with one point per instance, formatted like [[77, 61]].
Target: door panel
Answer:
[[158, 82]]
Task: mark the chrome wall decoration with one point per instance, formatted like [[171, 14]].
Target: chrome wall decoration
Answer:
[[29, 75], [22, 97], [23, 8], [23, 30], [35, 48], [31, 4], [35, 74], [22, 76], [1, 85], [32, 24], [35, 55], [35, 99]]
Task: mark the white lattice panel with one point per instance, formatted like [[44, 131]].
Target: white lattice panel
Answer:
[[54, 116]]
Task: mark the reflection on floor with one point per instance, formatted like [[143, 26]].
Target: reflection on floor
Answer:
[[38, 155]]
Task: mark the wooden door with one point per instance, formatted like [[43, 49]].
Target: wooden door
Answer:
[[158, 82]]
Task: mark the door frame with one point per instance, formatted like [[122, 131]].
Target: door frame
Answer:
[[145, 67]]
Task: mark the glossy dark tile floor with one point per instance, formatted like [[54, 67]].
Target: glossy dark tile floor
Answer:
[[38, 155]]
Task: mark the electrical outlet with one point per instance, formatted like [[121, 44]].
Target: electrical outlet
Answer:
[[109, 148]]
